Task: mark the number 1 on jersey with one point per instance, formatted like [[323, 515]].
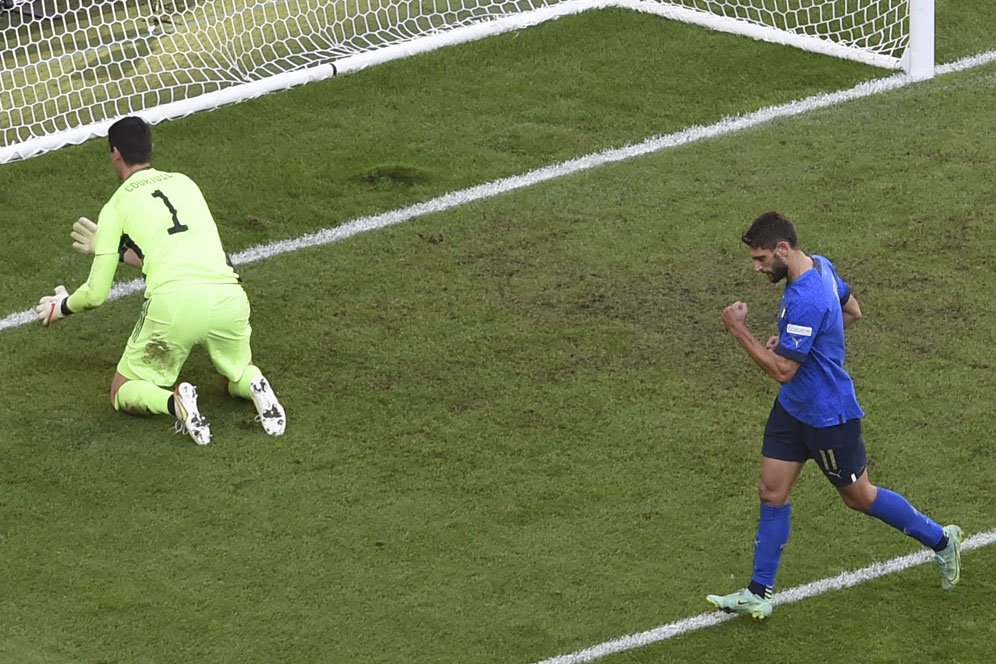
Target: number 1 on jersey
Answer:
[[177, 227]]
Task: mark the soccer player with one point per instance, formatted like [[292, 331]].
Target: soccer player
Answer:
[[816, 414], [159, 222]]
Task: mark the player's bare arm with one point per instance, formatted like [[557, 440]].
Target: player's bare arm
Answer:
[[780, 368], [131, 258], [852, 311]]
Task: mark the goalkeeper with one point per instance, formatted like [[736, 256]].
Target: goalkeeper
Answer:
[[159, 222]]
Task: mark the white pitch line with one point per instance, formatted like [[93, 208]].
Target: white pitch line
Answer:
[[807, 591], [693, 134]]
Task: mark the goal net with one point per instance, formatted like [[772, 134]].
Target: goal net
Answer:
[[71, 67]]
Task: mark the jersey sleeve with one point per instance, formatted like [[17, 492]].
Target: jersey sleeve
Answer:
[[98, 285], [843, 289], [801, 323], [107, 240]]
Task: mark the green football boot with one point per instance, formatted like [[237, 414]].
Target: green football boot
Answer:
[[743, 602], [950, 558]]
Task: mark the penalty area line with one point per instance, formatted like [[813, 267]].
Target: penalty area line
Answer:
[[807, 591], [693, 134]]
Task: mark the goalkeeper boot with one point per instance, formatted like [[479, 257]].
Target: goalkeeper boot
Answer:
[[743, 602], [188, 418], [949, 558], [269, 411]]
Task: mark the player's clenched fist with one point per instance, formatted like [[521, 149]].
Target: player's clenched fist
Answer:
[[735, 314]]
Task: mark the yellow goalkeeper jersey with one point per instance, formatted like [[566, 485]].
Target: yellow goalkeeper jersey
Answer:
[[164, 218]]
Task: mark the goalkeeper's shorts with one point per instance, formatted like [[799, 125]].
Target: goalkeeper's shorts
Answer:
[[213, 316]]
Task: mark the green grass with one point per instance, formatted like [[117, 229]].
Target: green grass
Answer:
[[517, 428], [531, 100]]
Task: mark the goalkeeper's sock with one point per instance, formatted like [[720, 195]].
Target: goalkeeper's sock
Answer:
[[241, 387], [141, 397]]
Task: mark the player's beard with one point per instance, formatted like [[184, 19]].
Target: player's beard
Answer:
[[779, 269]]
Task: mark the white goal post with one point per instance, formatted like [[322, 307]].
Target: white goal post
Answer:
[[72, 67]]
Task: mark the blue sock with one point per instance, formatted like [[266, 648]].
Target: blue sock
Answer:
[[772, 534], [896, 511]]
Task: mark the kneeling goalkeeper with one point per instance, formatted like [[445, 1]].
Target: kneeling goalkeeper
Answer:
[[160, 223]]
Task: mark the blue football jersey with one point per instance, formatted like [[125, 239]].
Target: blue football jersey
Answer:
[[811, 332]]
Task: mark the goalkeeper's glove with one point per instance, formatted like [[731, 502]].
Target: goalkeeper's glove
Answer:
[[50, 309], [83, 232]]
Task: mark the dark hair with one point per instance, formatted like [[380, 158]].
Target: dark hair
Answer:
[[768, 230], [132, 136]]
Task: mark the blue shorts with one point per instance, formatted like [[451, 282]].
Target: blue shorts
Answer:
[[839, 450]]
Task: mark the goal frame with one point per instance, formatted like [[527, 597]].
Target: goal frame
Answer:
[[917, 61]]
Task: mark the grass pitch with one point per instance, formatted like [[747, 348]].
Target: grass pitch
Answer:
[[517, 428]]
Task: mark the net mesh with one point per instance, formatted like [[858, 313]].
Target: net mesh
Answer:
[[877, 26], [74, 63]]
